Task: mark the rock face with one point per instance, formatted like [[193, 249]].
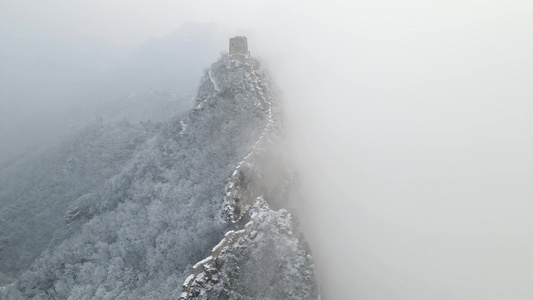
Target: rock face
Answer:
[[205, 180]]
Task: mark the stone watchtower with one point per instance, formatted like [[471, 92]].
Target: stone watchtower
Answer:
[[238, 45]]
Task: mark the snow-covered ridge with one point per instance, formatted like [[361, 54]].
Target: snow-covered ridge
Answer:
[[239, 193], [235, 189], [213, 81], [244, 196]]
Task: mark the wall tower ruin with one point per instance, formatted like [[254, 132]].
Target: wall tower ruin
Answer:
[[238, 45]]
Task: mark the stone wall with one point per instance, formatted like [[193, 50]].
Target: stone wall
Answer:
[[238, 45]]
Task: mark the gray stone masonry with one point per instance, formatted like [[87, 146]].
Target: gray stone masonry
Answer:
[[238, 45]]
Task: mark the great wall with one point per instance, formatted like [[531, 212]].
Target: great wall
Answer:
[[241, 194]]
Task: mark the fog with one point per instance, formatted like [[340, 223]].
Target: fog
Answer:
[[410, 123]]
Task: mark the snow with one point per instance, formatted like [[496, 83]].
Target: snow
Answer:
[[266, 228], [183, 127], [158, 171], [188, 281], [215, 85], [289, 269], [219, 245], [203, 262]]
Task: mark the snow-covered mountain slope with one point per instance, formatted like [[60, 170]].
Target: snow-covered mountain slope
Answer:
[[36, 189], [138, 234]]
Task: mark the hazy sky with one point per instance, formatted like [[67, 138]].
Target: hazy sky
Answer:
[[129, 23], [411, 120]]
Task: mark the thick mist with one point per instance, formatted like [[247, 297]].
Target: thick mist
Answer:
[[52, 85], [410, 123], [412, 131]]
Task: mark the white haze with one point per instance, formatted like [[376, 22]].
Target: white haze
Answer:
[[411, 123]]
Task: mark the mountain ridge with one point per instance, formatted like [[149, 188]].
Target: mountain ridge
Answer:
[[139, 233]]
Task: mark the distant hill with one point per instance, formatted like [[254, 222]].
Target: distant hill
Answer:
[[50, 86]]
